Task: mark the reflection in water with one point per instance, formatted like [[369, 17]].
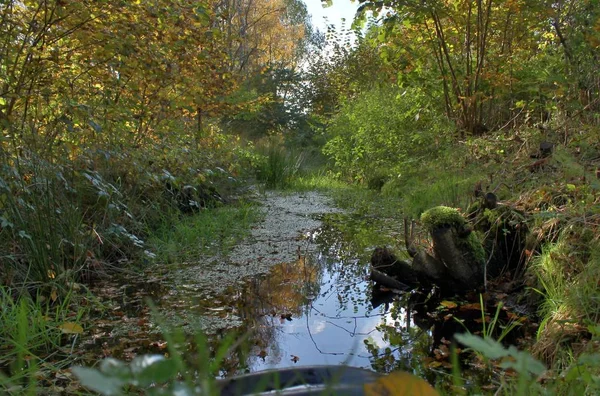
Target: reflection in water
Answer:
[[308, 314], [318, 310]]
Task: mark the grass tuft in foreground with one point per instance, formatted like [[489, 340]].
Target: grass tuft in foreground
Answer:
[[37, 336]]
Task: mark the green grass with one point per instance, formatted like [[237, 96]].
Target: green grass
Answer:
[[34, 201], [279, 165], [434, 184], [319, 180], [33, 334], [207, 232], [567, 271]]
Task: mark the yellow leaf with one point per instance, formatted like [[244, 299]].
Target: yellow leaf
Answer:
[[449, 304], [71, 328], [54, 295], [399, 383]]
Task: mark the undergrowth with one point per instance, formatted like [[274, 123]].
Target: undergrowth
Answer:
[[75, 216], [278, 165], [558, 197], [211, 231], [38, 335]]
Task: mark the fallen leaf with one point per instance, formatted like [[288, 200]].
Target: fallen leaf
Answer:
[[449, 304], [54, 294], [71, 328], [473, 306], [399, 384], [512, 315], [441, 353]]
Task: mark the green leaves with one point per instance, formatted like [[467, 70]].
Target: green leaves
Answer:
[[143, 371], [378, 130], [512, 358], [97, 381]]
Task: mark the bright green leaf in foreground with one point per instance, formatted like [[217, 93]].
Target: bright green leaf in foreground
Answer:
[[95, 380], [520, 361]]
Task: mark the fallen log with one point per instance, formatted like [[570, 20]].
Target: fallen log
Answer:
[[384, 260], [387, 281]]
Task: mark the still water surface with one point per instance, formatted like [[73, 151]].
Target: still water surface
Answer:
[[318, 310]]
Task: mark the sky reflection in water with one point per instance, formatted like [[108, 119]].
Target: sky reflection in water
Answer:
[[332, 327]]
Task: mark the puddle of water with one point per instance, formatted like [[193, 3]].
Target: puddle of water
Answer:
[[330, 326], [316, 308], [313, 310]]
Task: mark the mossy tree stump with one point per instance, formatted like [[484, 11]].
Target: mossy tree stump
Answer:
[[456, 263], [458, 259]]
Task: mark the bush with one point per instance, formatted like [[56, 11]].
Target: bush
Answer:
[[383, 129]]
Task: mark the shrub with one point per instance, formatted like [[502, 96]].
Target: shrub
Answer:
[[381, 129]]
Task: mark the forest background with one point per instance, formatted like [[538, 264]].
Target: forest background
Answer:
[[119, 116]]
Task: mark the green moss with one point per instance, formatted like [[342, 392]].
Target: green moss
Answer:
[[500, 214], [442, 216], [474, 208], [473, 244]]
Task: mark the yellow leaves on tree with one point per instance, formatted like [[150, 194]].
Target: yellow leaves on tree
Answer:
[[89, 72]]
